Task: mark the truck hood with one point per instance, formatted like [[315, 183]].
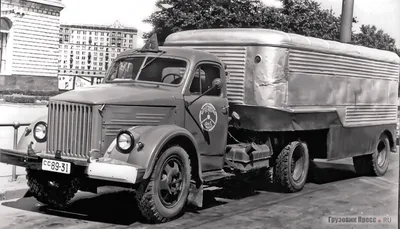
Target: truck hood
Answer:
[[122, 94]]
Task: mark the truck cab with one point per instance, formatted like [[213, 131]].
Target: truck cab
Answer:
[[155, 124]]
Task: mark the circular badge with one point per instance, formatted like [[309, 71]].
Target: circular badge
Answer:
[[208, 117]]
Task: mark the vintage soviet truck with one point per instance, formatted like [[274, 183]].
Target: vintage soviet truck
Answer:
[[212, 104]]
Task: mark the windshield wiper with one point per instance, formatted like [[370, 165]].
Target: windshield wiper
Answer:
[[148, 63]]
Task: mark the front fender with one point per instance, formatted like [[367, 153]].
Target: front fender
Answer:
[[154, 138], [27, 137]]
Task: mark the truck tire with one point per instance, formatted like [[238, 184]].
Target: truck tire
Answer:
[[375, 164], [52, 189], [164, 195], [291, 167]]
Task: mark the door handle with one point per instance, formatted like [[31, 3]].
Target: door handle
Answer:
[[225, 109]]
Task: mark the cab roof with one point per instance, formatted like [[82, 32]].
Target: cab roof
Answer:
[[187, 53]]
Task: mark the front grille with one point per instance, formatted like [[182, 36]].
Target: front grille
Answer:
[[69, 129]]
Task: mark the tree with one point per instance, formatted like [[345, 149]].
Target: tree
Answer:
[[304, 17], [371, 37], [203, 14]]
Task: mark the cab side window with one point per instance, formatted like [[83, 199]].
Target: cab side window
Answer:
[[203, 78]]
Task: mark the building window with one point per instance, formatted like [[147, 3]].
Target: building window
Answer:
[[5, 26]]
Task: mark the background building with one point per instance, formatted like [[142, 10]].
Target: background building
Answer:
[[29, 44], [86, 52]]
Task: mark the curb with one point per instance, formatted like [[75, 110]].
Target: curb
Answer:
[[13, 194], [13, 189]]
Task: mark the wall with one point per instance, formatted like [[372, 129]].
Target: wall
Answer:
[[33, 44]]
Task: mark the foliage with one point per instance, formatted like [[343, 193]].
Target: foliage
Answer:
[[304, 17], [371, 37], [19, 99], [29, 92], [203, 14]]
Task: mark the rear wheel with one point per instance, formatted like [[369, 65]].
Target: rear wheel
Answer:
[[375, 164], [52, 189], [164, 195], [291, 168]]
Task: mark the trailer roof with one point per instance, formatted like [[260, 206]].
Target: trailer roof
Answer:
[[268, 37]]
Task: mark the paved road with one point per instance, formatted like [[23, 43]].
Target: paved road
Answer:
[[331, 192]]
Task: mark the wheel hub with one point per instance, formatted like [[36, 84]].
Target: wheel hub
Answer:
[[381, 154], [297, 167], [171, 182]]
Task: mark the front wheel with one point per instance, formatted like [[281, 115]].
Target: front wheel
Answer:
[[164, 195], [291, 169], [52, 189]]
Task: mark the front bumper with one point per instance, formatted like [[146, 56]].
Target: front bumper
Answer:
[[105, 169]]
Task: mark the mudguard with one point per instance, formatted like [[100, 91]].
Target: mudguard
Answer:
[[27, 138], [153, 139]]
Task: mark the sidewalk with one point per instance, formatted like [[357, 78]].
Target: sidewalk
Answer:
[[12, 190]]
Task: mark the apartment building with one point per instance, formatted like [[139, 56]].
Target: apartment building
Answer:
[[86, 52]]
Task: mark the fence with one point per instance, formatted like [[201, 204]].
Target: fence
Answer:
[[67, 82], [16, 126]]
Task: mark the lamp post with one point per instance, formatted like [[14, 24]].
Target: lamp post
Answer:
[[346, 21]]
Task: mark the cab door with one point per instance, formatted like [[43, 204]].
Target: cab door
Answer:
[[207, 117]]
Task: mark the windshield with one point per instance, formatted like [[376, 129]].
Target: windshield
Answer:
[[159, 70]]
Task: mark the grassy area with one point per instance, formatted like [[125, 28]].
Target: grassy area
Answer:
[[29, 92], [26, 96]]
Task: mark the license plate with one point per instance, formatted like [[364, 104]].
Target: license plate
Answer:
[[56, 166]]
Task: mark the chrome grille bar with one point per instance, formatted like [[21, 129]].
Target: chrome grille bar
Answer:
[[69, 129]]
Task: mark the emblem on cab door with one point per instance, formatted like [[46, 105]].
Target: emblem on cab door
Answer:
[[208, 117]]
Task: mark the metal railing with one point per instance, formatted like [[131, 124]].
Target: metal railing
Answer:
[[16, 126]]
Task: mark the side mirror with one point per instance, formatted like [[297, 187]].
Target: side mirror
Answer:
[[217, 83]]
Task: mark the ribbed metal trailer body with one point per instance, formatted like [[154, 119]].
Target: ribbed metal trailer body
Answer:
[[288, 82]]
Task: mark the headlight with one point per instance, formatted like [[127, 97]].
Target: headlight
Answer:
[[40, 132], [125, 141]]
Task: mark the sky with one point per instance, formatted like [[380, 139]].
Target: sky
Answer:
[[385, 14]]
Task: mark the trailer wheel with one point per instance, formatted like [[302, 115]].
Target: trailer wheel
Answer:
[[164, 195], [375, 164], [291, 168], [52, 189]]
